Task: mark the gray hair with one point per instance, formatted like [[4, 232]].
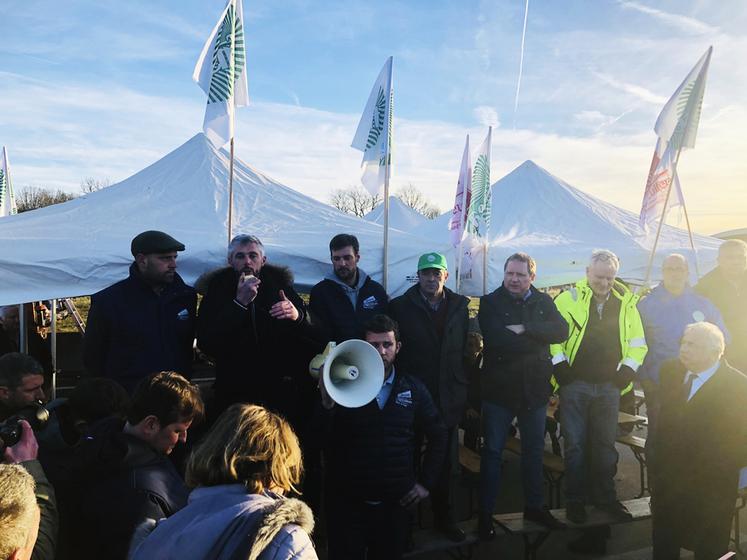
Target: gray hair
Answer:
[[241, 240], [676, 256], [709, 333], [604, 256], [17, 503]]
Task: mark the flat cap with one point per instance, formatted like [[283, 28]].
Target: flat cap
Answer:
[[153, 241]]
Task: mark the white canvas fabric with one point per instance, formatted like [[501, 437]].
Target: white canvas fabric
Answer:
[[462, 198], [7, 196], [662, 177], [401, 216], [82, 246]]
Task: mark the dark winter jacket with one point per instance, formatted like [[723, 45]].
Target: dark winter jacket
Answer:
[[133, 332], [333, 315], [258, 359], [731, 300], [517, 367], [124, 482], [370, 453], [438, 361]]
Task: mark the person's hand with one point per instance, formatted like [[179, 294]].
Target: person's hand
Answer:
[[327, 401], [516, 329], [414, 496], [284, 309], [247, 289], [472, 414], [26, 449]]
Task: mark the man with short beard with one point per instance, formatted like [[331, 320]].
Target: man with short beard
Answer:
[[146, 322], [347, 297], [256, 327]]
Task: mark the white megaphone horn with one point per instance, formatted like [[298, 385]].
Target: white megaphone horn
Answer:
[[352, 371]]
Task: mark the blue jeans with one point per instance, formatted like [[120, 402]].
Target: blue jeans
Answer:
[[588, 422], [496, 424]]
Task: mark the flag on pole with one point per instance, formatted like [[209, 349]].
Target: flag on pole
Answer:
[[463, 197], [221, 73], [478, 218], [7, 196], [661, 175], [678, 121], [374, 134]]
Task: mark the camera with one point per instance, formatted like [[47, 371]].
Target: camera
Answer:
[[11, 430]]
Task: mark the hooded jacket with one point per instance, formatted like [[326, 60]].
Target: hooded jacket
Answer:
[[226, 523], [258, 359], [335, 316], [132, 331]]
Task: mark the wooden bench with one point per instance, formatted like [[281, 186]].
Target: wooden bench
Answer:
[[741, 503], [534, 534], [428, 540], [640, 398], [638, 446]]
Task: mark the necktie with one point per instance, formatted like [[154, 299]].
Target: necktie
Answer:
[[691, 377]]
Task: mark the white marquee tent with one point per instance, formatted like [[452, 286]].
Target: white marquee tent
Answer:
[[82, 246], [559, 225], [401, 216]]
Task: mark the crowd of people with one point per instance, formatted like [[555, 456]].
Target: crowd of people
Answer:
[[113, 473]]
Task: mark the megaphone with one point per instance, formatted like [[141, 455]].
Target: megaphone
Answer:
[[352, 371]]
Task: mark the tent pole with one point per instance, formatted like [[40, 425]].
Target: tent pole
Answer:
[[53, 348], [230, 195], [692, 242]]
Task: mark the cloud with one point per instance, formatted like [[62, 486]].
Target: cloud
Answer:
[[487, 116], [682, 23], [639, 92]]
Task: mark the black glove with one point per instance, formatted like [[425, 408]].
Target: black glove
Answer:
[[562, 372], [624, 377]]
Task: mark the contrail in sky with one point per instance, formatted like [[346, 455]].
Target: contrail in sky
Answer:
[[521, 61]]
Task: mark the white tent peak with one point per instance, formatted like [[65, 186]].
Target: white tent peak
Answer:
[[401, 216]]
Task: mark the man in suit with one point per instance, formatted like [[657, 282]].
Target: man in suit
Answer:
[[702, 443]]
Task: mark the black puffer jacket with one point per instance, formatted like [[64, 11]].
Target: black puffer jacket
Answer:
[[133, 332], [517, 368], [259, 359], [123, 482], [438, 362], [371, 452], [333, 315]]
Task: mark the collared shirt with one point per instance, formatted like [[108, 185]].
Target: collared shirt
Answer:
[[701, 379], [385, 391], [600, 306], [433, 306]]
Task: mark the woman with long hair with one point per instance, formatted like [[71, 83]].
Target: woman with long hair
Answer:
[[239, 473]]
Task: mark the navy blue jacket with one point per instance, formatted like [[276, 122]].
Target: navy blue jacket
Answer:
[[133, 332], [517, 367], [333, 315], [371, 452], [123, 482]]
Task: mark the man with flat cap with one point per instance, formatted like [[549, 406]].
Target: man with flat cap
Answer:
[[146, 322]]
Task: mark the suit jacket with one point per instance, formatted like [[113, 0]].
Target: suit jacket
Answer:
[[701, 446]]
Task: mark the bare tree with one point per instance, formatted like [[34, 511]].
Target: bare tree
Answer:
[[90, 184], [31, 198], [354, 200], [416, 200]]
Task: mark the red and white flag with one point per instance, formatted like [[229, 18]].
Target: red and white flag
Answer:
[[661, 176], [462, 199]]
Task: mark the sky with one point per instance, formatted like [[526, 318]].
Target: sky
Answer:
[[101, 89]]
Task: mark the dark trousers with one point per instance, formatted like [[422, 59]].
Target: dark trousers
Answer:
[[440, 494], [361, 531]]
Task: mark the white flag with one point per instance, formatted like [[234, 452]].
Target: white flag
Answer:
[[478, 219], [7, 197], [463, 197], [221, 73], [374, 134], [661, 176], [678, 121]]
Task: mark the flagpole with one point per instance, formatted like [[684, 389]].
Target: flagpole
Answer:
[[230, 188], [490, 211], [690, 234], [661, 220], [463, 224], [385, 270]]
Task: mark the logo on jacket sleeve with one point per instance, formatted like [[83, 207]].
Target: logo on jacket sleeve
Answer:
[[370, 303], [404, 399], [183, 315]]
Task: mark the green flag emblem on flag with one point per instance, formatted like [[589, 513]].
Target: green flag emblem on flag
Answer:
[[479, 212], [228, 58]]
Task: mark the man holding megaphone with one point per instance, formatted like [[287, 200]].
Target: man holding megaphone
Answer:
[[371, 478]]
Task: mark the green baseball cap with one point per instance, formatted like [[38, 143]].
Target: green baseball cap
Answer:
[[432, 260]]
